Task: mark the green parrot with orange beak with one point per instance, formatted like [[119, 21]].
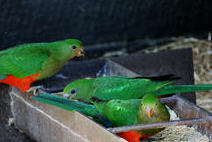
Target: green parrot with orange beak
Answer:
[[149, 109], [24, 64]]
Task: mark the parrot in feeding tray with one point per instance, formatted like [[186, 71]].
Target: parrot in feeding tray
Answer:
[[124, 88], [24, 64], [149, 109]]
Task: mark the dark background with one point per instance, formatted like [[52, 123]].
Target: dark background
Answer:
[[92, 21]]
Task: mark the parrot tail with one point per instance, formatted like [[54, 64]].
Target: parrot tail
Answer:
[[71, 105], [22, 83], [172, 89], [66, 104], [132, 136]]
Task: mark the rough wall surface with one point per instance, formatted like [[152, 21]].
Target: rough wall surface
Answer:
[[8, 133]]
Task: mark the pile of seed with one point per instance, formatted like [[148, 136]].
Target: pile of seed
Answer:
[[179, 133]]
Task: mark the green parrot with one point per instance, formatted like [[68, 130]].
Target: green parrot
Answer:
[[124, 88], [149, 109], [23, 64]]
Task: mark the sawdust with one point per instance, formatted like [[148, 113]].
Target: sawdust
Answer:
[[179, 133], [202, 57]]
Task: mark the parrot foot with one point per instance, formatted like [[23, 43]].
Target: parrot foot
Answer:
[[36, 90]]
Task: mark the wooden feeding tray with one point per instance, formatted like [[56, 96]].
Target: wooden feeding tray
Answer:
[[46, 123]]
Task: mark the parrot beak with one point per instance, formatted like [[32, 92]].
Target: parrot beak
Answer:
[[67, 96], [149, 111], [88, 78], [149, 114], [81, 52]]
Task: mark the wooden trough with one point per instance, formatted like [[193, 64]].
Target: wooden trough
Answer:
[[46, 123]]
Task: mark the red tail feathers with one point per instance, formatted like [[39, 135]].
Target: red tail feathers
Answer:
[[132, 136], [21, 83]]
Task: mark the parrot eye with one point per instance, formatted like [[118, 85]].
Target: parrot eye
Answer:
[[73, 91], [74, 47], [157, 103]]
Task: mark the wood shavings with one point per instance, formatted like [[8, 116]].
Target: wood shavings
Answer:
[[179, 133]]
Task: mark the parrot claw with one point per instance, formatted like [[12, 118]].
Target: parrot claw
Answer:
[[35, 90]]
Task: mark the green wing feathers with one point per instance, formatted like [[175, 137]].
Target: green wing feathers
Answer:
[[119, 112], [129, 87], [18, 61], [2, 77]]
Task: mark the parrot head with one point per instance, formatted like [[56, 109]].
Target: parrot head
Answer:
[[76, 47], [71, 48], [152, 108], [79, 89]]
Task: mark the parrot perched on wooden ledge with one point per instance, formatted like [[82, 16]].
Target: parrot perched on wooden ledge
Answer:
[[24, 64], [124, 88]]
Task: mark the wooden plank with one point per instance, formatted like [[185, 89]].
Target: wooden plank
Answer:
[[188, 110]]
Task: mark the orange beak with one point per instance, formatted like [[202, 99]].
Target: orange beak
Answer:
[[149, 111], [81, 52], [149, 114]]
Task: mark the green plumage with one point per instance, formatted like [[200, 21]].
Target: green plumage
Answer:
[[2, 77], [89, 110], [107, 88], [133, 111], [124, 88], [118, 112], [71, 105], [171, 89], [44, 58]]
